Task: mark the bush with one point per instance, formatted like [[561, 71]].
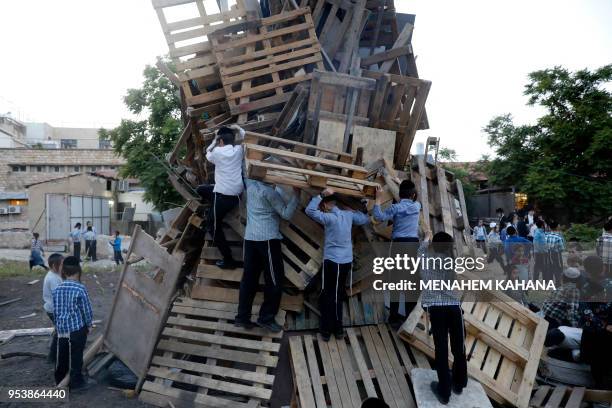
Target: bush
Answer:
[[582, 233]]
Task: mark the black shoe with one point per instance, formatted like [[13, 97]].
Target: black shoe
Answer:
[[434, 389], [271, 326], [325, 336], [245, 324], [226, 264], [340, 334], [458, 389], [83, 386]]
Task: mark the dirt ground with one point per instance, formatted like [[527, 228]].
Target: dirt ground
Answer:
[[33, 371]]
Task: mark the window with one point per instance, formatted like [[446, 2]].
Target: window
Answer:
[[109, 185], [69, 143], [40, 169], [18, 202], [93, 168], [57, 169], [76, 168], [104, 144], [18, 168], [112, 167]]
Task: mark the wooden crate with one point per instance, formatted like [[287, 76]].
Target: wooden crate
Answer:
[[381, 29], [203, 360], [261, 61], [370, 362], [504, 342], [402, 103], [190, 49], [560, 396]]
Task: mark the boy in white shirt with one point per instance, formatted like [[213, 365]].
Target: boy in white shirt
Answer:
[[52, 280], [224, 194]]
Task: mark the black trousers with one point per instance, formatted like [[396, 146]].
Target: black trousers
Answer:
[[118, 257], [495, 255], [258, 256], [221, 204], [90, 249], [53, 348], [412, 248], [447, 321], [77, 250], [70, 357], [333, 293], [482, 245], [539, 265], [553, 266]]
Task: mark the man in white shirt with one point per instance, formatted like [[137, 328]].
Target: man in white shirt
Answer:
[[228, 186]]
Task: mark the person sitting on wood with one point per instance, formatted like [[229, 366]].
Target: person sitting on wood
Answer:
[[405, 216], [225, 193], [446, 317], [337, 258], [262, 250]]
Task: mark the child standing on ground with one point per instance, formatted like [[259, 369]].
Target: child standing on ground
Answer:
[[116, 243], [480, 236], [73, 320], [52, 280]]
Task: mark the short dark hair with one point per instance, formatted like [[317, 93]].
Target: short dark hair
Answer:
[[117, 232], [608, 225], [54, 260], [442, 243], [539, 223], [89, 228], [329, 198], [553, 224], [36, 235], [227, 135], [77, 225], [499, 210], [406, 189], [593, 265], [511, 230], [373, 402], [71, 266]]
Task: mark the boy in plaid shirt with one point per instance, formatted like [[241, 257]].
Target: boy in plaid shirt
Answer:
[[73, 320], [562, 308]]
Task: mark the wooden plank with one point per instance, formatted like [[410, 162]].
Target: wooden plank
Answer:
[[575, 398], [293, 303], [315, 375], [301, 375], [556, 397], [361, 363], [221, 354]]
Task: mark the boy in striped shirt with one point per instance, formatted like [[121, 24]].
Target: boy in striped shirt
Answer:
[[73, 320]]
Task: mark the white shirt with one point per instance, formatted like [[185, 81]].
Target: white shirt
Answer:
[[573, 337], [52, 281], [228, 169]]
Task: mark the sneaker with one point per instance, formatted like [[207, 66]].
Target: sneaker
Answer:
[[245, 324], [271, 326], [226, 264], [325, 336], [340, 334], [434, 389]]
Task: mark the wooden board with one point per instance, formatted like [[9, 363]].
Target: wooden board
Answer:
[[562, 396], [260, 62], [370, 362], [504, 342], [202, 359], [189, 48], [376, 143], [141, 303]]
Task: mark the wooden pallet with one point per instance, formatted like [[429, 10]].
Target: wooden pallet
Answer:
[[360, 309], [381, 30], [557, 397], [504, 342], [190, 49], [402, 103], [203, 360], [261, 61], [370, 362]]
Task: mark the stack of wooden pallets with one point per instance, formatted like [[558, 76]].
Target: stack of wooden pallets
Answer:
[[330, 96]]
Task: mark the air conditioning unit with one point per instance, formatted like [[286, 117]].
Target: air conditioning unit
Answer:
[[16, 209], [3, 211]]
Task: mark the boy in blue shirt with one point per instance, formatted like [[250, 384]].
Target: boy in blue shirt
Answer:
[[117, 248], [337, 258], [73, 320], [405, 216]]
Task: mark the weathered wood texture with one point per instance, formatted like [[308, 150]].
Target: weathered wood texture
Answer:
[[370, 362], [261, 61], [203, 360], [189, 48], [141, 303], [504, 342]]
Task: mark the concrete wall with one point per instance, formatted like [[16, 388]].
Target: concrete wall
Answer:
[[11, 221], [82, 184], [87, 138], [15, 239], [49, 158], [135, 198]]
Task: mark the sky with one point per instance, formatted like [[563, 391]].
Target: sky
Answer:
[[69, 62]]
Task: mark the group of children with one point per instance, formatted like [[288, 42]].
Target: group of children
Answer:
[[66, 302], [266, 204]]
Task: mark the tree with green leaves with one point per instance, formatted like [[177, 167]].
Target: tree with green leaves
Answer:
[[562, 162], [145, 143]]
